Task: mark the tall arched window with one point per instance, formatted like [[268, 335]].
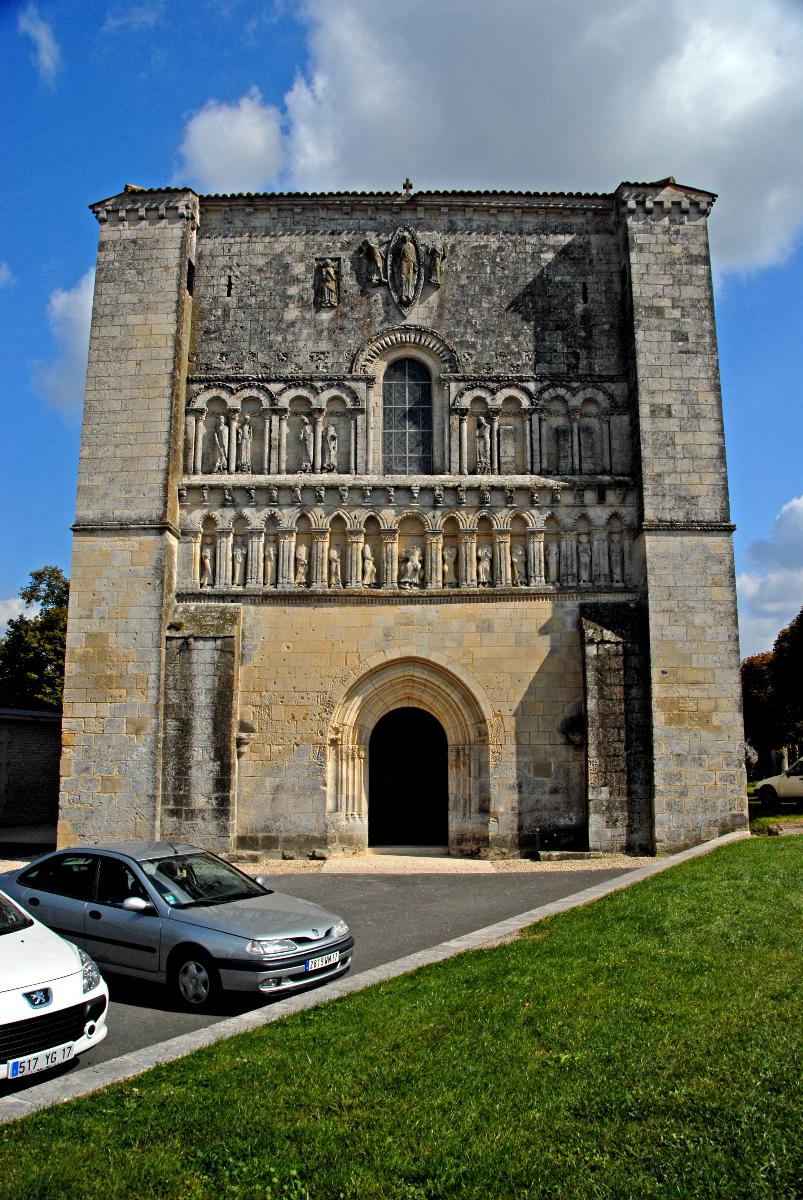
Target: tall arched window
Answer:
[[407, 419]]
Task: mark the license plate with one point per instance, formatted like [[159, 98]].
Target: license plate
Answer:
[[42, 1061], [325, 960]]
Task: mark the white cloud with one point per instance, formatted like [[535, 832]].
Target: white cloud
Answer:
[[232, 147], [772, 596], [6, 275], [69, 314], [142, 16], [8, 610], [560, 94], [48, 54]]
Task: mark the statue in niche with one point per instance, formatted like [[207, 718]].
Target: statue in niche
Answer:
[[270, 564], [461, 494], [221, 444], [344, 493], [616, 557], [329, 290], [305, 436], [510, 497], [238, 565], [437, 257], [320, 495], [301, 566], [366, 495], [437, 494], [484, 566], [485, 496], [273, 495], [449, 558], [295, 492], [584, 558], [334, 568], [244, 438], [483, 446], [368, 566], [330, 458], [408, 268], [375, 263], [552, 553], [412, 570], [252, 495], [228, 497], [518, 572], [391, 491], [207, 569]]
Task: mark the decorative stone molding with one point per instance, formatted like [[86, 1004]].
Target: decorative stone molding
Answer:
[[406, 335]]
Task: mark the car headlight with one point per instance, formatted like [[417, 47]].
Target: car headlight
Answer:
[[90, 975], [340, 930], [270, 949]]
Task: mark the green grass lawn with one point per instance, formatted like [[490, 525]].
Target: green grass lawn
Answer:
[[648, 1045]]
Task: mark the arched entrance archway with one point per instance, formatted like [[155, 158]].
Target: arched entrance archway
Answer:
[[408, 780], [462, 710]]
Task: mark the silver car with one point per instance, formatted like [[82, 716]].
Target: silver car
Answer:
[[178, 914]]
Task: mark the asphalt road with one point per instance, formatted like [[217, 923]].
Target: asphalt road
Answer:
[[390, 916]]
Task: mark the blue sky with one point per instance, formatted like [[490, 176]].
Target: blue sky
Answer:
[[235, 95]]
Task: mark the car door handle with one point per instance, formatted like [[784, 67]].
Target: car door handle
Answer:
[[94, 914], [34, 902]]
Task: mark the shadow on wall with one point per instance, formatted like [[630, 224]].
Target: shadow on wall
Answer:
[[30, 748]]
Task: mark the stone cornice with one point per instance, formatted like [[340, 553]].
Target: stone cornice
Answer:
[[687, 527], [138, 206], [545, 594], [133, 526]]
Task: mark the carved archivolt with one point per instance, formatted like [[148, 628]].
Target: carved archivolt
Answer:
[[408, 335]]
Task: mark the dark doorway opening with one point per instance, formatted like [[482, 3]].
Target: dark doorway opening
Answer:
[[408, 781]]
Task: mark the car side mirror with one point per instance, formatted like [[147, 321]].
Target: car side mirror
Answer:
[[137, 904]]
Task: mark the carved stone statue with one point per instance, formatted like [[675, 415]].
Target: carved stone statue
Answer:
[[412, 570], [221, 444], [329, 287], [449, 557], [616, 557], [244, 439], [368, 566], [334, 568], [207, 571], [301, 566], [270, 564], [408, 268], [295, 492], [376, 263], [238, 565], [330, 459], [518, 571], [552, 553], [484, 566], [437, 257], [483, 446], [584, 558], [305, 437]]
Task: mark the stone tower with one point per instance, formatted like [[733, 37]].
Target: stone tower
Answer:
[[403, 518]]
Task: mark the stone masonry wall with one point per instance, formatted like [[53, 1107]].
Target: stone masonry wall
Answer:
[[30, 745]]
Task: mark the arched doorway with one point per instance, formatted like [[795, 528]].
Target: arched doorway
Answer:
[[408, 780]]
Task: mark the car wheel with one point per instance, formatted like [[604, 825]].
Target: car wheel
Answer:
[[194, 980], [767, 798]]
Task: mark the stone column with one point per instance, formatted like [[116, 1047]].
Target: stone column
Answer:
[[523, 431], [600, 567], [494, 443], [501, 558], [535, 440], [287, 544], [282, 466], [231, 417], [353, 444], [605, 438], [225, 541], [535, 557], [354, 544], [574, 418], [390, 558], [256, 558], [198, 441], [369, 434], [319, 565], [568, 559], [433, 565], [196, 540], [467, 558], [317, 438], [463, 459], [266, 440]]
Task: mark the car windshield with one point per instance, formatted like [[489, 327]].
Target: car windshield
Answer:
[[11, 919], [184, 880]]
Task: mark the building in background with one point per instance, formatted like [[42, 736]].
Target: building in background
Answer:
[[403, 518]]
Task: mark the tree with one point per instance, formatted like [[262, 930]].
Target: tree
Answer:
[[32, 650], [758, 702], [787, 681]]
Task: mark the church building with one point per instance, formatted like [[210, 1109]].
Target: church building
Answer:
[[402, 519]]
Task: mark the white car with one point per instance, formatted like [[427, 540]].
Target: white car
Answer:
[[53, 999], [786, 786]]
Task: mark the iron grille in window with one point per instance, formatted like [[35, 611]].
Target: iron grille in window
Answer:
[[407, 419]]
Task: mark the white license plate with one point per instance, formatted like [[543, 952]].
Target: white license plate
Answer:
[[325, 960], [42, 1061]]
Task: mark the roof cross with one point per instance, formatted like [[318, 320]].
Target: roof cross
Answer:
[[407, 187]]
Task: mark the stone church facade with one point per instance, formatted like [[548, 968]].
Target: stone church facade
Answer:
[[403, 518]]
